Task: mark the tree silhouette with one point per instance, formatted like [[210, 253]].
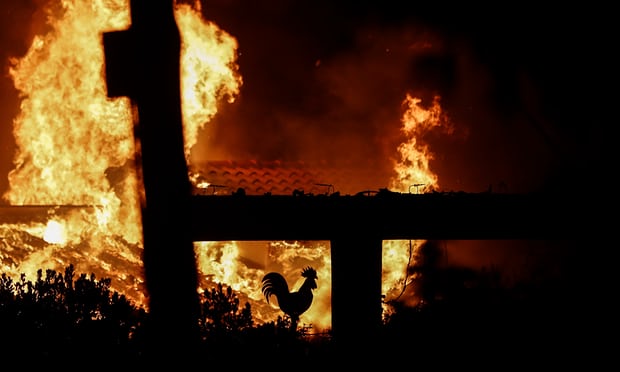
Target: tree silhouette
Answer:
[[63, 315], [224, 326], [220, 312], [59, 316]]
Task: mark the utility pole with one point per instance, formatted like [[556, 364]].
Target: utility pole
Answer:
[[142, 63]]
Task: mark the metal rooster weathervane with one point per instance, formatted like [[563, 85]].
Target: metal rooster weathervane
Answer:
[[293, 303]]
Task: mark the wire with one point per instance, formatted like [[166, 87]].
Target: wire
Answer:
[[405, 284]]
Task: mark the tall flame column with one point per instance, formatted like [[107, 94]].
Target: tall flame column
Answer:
[[143, 63]]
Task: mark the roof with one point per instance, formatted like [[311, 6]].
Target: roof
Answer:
[[283, 178]]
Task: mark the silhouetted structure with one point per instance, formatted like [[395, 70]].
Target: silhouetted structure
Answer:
[[295, 303], [356, 226], [143, 64]]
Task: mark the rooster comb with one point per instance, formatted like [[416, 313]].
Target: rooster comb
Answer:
[[309, 272]]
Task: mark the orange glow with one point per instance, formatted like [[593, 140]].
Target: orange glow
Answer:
[[54, 233], [413, 174], [413, 167], [242, 265], [75, 146], [209, 73]]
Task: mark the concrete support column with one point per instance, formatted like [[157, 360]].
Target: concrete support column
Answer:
[[356, 292]]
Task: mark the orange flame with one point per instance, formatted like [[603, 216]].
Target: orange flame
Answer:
[[412, 170], [209, 72], [76, 147], [242, 266]]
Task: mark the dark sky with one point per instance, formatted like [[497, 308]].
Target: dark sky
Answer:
[[524, 86]]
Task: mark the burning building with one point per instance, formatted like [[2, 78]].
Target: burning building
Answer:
[[76, 150], [76, 177]]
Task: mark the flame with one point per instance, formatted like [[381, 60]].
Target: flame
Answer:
[[75, 146], [209, 73], [412, 170], [413, 167], [242, 265], [55, 233]]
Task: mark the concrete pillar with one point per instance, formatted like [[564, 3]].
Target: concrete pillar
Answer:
[[356, 292]]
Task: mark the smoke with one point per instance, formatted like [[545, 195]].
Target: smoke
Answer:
[[328, 95], [517, 261], [323, 81], [329, 90]]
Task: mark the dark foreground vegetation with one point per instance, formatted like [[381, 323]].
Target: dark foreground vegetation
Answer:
[[64, 316], [462, 317]]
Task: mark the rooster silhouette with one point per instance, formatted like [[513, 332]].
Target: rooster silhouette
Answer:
[[292, 304]]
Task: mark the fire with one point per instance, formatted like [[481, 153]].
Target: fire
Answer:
[[54, 233], [242, 266], [412, 170], [209, 73], [413, 167], [75, 147]]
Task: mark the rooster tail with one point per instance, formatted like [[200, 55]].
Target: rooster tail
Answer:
[[274, 284]]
